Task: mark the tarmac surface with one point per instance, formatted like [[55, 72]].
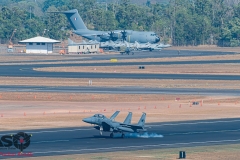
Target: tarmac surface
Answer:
[[64, 141], [119, 90], [26, 70], [137, 55]]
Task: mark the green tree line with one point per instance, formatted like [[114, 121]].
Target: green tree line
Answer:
[[179, 22]]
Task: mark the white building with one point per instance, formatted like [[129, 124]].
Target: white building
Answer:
[[39, 45], [83, 48]]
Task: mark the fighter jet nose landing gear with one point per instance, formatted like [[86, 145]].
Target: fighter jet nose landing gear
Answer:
[[101, 130], [123, 135]]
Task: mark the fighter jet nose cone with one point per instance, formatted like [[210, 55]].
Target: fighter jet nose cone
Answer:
[[87, 120]]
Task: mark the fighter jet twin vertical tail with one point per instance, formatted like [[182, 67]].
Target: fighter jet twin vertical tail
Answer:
[[105, 124], [128, 118], [114, 115], [141, 122]]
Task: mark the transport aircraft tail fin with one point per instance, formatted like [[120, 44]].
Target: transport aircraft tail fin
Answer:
[[75, 19]]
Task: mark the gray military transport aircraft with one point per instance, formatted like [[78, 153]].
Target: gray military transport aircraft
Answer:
[[104, 124], [103, 36]]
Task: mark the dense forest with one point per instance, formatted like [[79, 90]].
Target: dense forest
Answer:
[[179, 22]]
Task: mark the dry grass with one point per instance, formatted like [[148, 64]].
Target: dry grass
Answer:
[[24, 59], [67, 110], [81, 97], [154, 83], [206, 48]]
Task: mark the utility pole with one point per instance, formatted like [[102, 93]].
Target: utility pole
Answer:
[[174, 22], [30, 12]]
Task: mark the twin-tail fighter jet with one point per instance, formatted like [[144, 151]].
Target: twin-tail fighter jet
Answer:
[[103, 36], [104, 124]]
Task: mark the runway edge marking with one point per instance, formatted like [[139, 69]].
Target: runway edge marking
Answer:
[[208, 122]]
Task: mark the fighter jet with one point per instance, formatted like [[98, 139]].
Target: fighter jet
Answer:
[[103, 36], [148, 46], [91, 120], [105, 124]]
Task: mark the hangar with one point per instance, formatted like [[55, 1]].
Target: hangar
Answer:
[[39, 45]]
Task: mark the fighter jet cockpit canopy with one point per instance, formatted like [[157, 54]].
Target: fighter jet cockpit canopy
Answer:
[[99, 116]]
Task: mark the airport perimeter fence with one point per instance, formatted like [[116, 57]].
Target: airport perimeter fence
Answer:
[[16, 49], [3, 49]]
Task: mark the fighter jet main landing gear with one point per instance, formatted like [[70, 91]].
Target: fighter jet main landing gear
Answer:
[[112, 135]]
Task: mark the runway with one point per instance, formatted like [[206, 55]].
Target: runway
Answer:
[[27, 71], [12, 69], [79, 140], [119, 90]]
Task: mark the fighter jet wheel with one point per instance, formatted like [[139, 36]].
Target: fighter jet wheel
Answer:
[[123, 135], [111, 135]]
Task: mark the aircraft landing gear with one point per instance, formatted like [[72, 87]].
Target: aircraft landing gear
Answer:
[[123, 135], [111, 135]]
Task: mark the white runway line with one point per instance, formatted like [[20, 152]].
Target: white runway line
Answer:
[[205, 122], [71, 130], [49, 141], [188, 133]]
